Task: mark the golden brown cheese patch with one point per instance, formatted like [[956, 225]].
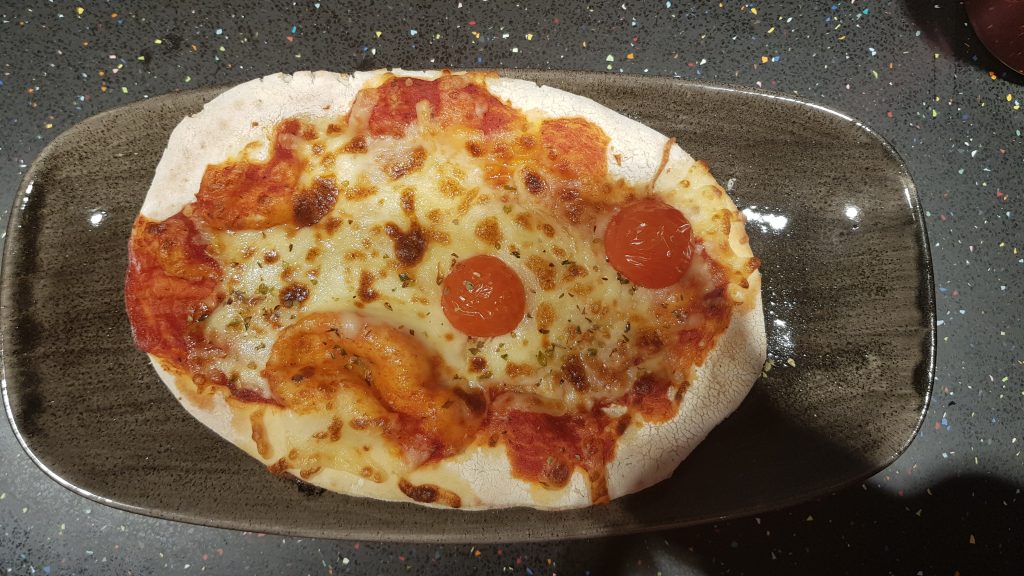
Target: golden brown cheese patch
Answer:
[[373, 474], [545, 316], [366, 292], [534, 182], [404, 162], [259, 434], [489, 231], [333, 432], [356, 145], [543, 270], [430, 494], [313, 203], [409, 245], [359, 192]]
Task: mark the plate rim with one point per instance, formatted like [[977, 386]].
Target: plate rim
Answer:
[[926, 288]]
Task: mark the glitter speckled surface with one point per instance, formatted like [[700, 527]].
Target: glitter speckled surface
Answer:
[[911, 70]]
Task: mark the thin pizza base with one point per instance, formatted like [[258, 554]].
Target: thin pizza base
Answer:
[[481, 477]]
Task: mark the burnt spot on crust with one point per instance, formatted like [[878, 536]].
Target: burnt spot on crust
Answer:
[[409, 245], [574, 373], [313, 203], [429, 494], [489, 231], [366, 291], [534, 182], [293, 294]]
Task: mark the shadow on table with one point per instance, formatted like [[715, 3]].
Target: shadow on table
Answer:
[[946, 27], [970, 525]]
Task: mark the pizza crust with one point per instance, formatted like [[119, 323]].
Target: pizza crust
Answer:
[[481, 476]]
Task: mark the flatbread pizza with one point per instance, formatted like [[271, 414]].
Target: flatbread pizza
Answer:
[[452, 289]]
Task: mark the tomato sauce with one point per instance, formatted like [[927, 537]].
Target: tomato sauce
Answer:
[[396, 104], [472, 106], [453, 101], [242, 195], [171, 286], [714, 309], [547, 449], [649, 397], [576, 149]]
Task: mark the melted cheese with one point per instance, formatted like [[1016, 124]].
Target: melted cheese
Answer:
[[408, 209], [577, 305]]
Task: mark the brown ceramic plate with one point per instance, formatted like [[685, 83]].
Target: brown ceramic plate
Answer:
[[847, 287]]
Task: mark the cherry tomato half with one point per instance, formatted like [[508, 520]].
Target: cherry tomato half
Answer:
[[648, 242], [483, 297]]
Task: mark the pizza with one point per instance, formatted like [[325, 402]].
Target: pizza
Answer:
[[452, 289]]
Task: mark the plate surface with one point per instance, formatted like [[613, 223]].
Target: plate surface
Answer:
[[848, 295]]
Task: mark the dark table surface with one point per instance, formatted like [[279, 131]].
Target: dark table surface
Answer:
[[913, 71]]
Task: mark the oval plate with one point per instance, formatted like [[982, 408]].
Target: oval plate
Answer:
[[848, 295]]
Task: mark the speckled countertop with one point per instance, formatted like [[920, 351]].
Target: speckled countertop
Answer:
[[913, 71]]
